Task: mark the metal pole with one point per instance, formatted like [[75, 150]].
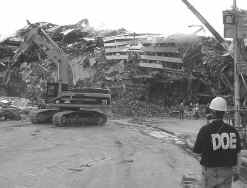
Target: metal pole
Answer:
[[236, 75]]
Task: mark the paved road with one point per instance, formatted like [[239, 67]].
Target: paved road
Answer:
[[43, 156]]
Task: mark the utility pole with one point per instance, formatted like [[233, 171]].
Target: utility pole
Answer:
[[236, 75]]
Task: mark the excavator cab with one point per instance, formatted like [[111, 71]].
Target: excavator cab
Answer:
[[52, 90]]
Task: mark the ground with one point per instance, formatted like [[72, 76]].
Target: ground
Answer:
[[123, 153]]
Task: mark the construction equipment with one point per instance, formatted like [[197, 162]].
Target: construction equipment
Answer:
[[220, 39], [204, 22], [217, 36], [243, 112], [63, 105]]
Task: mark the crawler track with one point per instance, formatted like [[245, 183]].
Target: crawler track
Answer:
[[78, 118], [42, 116]]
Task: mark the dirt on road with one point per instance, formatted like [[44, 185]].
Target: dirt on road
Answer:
[[115, 155]]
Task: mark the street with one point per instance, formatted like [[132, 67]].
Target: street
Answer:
[[115, 155]]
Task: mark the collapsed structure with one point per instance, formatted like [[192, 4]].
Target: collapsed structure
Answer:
[[147, 73]]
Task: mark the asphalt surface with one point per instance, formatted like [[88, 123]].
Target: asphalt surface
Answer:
[[115, 155]]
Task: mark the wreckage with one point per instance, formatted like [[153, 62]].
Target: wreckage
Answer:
[[147, 73]]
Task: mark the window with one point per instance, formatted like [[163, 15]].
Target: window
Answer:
[[146, 44]]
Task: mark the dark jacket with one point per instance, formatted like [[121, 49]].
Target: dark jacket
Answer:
[[218, 143]]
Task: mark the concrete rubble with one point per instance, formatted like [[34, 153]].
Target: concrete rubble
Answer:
[[206, 71]]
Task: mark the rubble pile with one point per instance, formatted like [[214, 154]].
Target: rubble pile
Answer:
[[18, 102], [207, 70], [14, 108], [132, 107], [209, 67], [81, 42], [207, 63]]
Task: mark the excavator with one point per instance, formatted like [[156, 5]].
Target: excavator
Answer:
[[65, 105]]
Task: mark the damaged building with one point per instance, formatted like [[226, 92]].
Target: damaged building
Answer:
[[147, 73]]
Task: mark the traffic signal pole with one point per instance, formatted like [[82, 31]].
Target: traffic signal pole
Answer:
[[236, 75]]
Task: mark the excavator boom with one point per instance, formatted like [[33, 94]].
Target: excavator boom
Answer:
[[63, 106], [55, 55]]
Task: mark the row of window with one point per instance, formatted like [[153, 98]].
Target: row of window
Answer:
[[171, 65], [145, 45], [114, 53], [163, 54], [166, 44], [115, 46], [118, 40]]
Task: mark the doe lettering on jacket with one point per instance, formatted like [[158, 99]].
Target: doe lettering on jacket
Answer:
[[224, 141]]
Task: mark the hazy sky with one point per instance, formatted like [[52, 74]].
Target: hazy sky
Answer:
[[157, 16]]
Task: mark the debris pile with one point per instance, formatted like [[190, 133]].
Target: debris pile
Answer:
[[82, 43], [149, 92], [138, 108], [14, 108], [20, 103]]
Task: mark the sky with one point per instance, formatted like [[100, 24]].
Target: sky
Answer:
[[153, 16]]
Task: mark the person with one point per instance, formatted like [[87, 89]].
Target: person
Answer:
[[181, 110], [208, 113], [191, 106], [196, 111], [218, 144]]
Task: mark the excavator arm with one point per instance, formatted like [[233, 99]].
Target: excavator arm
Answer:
[[55, 55]]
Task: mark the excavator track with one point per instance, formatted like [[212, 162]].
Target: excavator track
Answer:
[[42, 116], [78, 118]]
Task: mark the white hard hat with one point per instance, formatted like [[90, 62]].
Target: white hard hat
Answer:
[[219, 104]]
